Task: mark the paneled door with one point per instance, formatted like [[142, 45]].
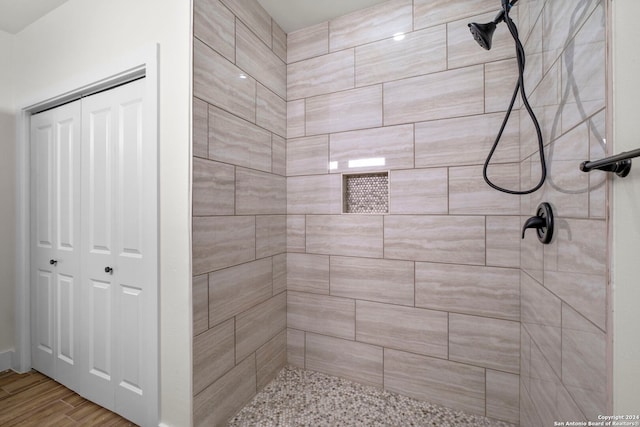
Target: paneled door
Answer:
[[114, 332], [55, 231], [119, 255]]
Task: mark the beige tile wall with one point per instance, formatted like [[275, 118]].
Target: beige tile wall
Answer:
[[519, 315], [424, 300], [564, 284], [239, 206], [440, 299]]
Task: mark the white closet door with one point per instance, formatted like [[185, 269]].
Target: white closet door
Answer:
[[55, 150], [119, 209]]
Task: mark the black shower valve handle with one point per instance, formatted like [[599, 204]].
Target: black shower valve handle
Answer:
[[542, 222], [534, 222]]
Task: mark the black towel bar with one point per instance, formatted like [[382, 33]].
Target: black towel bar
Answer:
[[620, 164]]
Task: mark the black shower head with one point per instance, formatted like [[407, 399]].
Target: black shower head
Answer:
[[483, 33]]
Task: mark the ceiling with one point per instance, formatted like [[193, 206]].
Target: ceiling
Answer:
[[17, 14], [291, 15]]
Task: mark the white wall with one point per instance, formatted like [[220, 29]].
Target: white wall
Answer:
[[83, 36], [626, 209], [7, 194]]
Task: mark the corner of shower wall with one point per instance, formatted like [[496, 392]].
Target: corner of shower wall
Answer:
[[239, 205], [564, 284]]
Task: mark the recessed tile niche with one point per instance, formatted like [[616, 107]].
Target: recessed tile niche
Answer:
[[366, 193]]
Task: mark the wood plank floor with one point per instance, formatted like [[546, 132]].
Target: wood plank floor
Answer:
[[33, 399]]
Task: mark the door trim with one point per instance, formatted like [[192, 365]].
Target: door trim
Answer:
[[142, 63]]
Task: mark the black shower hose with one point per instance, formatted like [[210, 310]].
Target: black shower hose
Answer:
[[519, 88]]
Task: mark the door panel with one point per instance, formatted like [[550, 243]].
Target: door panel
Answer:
[[43, 148], [130, 179], [121, 222], [42, 307], [67, 233], [44, 317], [99, 168], [100, 330], [55, 146], [66, 324], [130, 327], [67, 171]]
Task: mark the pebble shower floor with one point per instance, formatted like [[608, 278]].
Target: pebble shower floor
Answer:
[[297, 397]]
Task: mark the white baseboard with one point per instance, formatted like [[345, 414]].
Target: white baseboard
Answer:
[[6, 360]]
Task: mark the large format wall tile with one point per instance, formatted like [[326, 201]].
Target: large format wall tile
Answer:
[[213, 355], [393, 146], [367, 25], [236, 289], [279, 38], [214, 24], [279, 263], [259, 193], [236, 141], [465, 141], [254, 16], [448, 239], [200, 128], [278, 155], [348, 235], [348, 110], [538, 304], [308, 156], [584, 292], [271, 111], [295, 347], [435, 96], [503, 241], [348, 359], [220, 242], [200, 300], [503, 396], [270, 359], [498, 94], [582, 71], [213, 188], [579, 246], [308, 273], [403, 328], [296, 118], [296, 233], [315, 194], [373, 279], [320, 75], [271, 235], [492, 343], [308, 42], [257, 59], [455, 385], [427, 13], [419, 52], [584, 362], [322, 314], [218, 81], [557, 34], [470, 194], [259, 324], [482, 291], [222, 399], [419, 191]]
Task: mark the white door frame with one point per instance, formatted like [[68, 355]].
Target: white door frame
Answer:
[[143, 63]]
